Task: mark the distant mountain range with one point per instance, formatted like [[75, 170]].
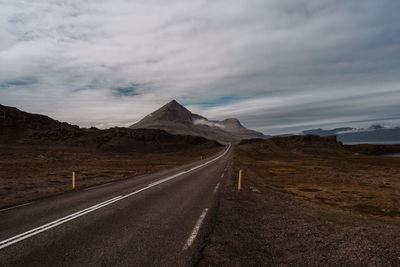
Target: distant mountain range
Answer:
[[22, 128], [171, 125], [373, 134], [176, 119], [158, 128], [321, 132]]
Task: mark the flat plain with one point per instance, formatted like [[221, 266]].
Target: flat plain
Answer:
[[31, 172], [309, 201]]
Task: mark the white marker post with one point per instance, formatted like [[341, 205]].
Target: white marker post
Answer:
[[73, 180], [240, 181]]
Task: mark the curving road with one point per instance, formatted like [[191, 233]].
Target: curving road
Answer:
[[159, 219]]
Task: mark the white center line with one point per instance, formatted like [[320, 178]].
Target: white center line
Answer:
[[37, 230], [196, 229], [222, 175], [216, 188]]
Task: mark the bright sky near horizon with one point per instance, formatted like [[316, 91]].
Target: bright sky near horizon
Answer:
[[278, 65]]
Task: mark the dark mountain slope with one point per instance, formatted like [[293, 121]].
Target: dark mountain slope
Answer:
[[18, 127], [176, 119]]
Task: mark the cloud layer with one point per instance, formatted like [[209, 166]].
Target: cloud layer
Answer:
[[277, 65]]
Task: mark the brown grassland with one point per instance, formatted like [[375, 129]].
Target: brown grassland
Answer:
[[327, 175], [307, 201], [30, 172]]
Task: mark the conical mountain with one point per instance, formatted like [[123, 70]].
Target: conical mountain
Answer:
[[171, 112], [175, 118]]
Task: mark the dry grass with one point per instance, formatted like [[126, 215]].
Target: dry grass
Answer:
[[28, 173], [328, 175], [306, 202]]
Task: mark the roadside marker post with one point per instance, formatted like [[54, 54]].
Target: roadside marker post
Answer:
[[73, 180], [240, 181]]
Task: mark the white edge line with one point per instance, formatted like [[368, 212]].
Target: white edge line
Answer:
[[195, 230], [42, 228], [97, 186], [21, 205], [52, 224], [216, 188]]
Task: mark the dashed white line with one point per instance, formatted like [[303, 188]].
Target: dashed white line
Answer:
[[10, 208], [35, 231], [216, 188], [222, 175], [196, 229]]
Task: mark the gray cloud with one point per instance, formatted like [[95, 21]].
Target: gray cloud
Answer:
[[277, 65], [27, 81], [130, 90]]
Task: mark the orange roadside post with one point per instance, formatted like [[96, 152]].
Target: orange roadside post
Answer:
[[240, 180], [73, 180]]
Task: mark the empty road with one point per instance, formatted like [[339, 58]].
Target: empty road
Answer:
[[159, 219]]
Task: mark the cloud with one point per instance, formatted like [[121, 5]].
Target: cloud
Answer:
[[130, 90], [209, 123], [277, 65], [27, 81]]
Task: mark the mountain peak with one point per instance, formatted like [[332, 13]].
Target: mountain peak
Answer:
[[172, 111], [232, 123], [175, 118], [173, 103]]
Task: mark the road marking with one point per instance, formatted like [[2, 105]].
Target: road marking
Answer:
[[167, 179], [216, 188], [222, 175], [196, 229], [10, 208], [37, 230], [97, 186]]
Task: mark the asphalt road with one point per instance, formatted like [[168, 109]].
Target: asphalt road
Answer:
[[159, 219]]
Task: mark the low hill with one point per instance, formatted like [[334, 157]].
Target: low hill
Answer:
[[296, 144]]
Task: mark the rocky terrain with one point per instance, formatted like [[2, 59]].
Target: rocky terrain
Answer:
[[176, 119]]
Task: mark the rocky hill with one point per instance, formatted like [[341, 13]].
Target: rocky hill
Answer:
[[176, 119], [18, 127]]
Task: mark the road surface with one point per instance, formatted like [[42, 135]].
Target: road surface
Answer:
[[159, 219]]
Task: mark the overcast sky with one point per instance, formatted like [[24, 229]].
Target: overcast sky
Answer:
[[278, 65]]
